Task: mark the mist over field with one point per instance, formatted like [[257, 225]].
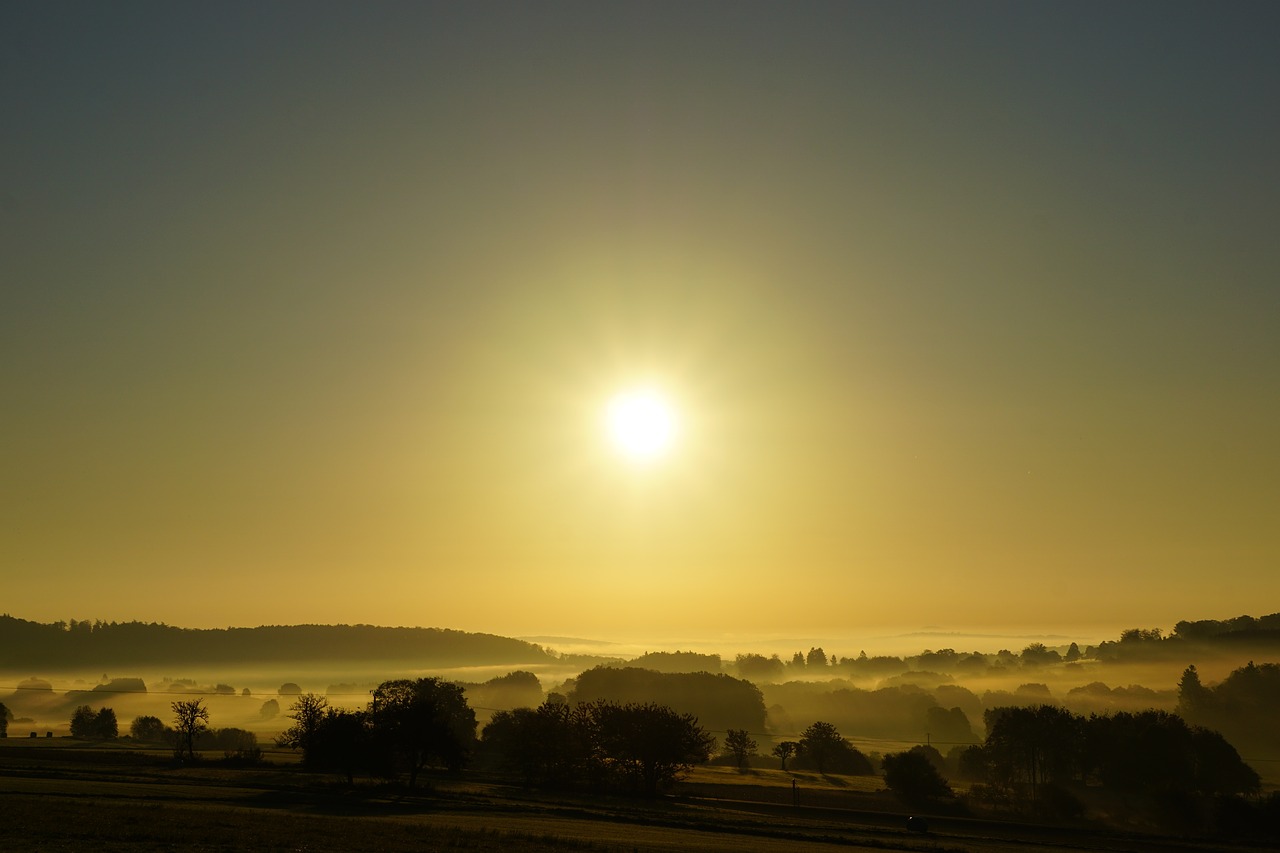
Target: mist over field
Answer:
[[932, 695]]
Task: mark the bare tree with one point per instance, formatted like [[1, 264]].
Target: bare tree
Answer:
[[307, 712], [189, 720]]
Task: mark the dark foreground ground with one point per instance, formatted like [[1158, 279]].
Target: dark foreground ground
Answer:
[[66, 797]]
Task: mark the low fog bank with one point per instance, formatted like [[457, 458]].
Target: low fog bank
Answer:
[[1214, 674], [892, 641]]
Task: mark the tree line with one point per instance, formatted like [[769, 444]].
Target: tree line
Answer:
[[1242, 706], [24, 644], [1038, 756]]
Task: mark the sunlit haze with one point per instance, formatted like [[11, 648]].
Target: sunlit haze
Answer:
[[642, 322], [641, 424]]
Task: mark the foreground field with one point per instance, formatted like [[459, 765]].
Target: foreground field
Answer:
[[60, 797]]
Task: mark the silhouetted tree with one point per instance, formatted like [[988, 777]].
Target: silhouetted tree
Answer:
[[82, 722], [797, 661], [421, 722], [816, 657], [822, 746], [514, 690], [106, 726], [306, 712], [289, 689], [190, 718], [1219, 769], [678, 662], [1242, 706], [1157, 751], [719, 701], [5, 713], [1151, 752], [147, 729], [270, 709], [740, 744], [1194, 699], [760, 668], [102, 725], [1034, 745], [1037, 654], [550, 745], [236, 743], [340, 742], [784, 750], [647, 746], [913, 778], [949, 725]]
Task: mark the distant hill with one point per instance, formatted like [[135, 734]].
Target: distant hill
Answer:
[[26, 645]]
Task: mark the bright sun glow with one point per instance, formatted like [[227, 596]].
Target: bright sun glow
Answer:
[[641, 424]]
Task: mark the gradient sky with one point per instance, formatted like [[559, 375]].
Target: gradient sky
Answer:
[[310, 312]]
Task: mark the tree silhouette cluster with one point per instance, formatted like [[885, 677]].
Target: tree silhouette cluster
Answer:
[[409, 725], [720, 702], [94, 725], [913, 776], [1133, 644], [821, 747], [641, 748], [1242, 706], [1034, 752], [678, 662]]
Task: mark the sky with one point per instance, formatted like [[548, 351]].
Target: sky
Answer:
[[968, 314]]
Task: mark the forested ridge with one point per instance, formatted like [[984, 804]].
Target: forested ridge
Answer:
[[26, 644]]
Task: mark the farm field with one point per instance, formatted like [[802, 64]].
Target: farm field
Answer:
[[63, 796]]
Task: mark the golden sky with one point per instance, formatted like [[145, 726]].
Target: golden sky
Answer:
[[968, 313]]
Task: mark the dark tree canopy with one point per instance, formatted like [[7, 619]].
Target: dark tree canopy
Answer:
[[719, 701], [147, 729], [649, 746], [784, 750], [99, 725], [306, 712], [517, 689], [549, 746], [678, 662], [1035, 745], [823, 748], [914, 779], [423, 722], [760, 668], [641, 748], [1242, 706], [1152, 751], [341, 742], [741, 745]]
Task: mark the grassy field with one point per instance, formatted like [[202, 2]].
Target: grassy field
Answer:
[[64, 796]]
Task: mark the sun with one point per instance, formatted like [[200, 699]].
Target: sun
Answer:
[[641, 424]]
